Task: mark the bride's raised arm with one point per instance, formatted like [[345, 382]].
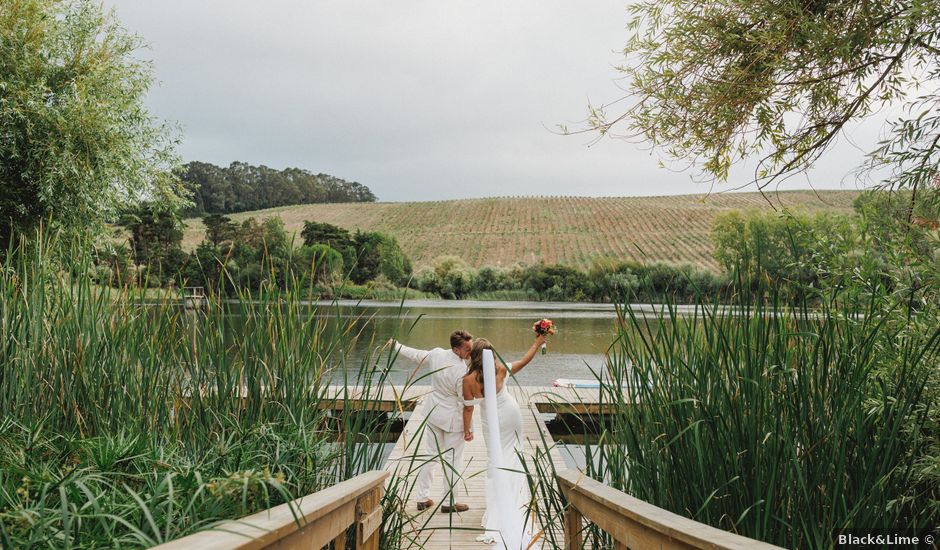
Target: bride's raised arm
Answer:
[[517, 366], [468, 402]]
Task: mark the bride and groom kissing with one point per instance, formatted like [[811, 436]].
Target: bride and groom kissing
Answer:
[[464, 376]]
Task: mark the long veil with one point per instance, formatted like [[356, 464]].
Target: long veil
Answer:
[[501, 504]]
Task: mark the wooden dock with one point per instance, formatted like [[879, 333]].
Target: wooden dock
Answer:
[[351, 511], [434, 529]]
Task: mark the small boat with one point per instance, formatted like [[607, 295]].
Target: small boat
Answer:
[[575, 383]]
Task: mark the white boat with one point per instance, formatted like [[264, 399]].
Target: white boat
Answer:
[[575, 383]]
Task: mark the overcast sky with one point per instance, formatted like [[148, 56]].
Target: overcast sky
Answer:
[[417, 99]]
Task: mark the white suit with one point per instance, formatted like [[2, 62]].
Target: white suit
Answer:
[[443, 435]]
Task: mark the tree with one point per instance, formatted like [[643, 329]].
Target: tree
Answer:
[[76, 140], [153, 232], [155, 237], [379, 254], [901, 235], [242, 186], [792, 248], [275, 240], [324, 233], [219, 228], [715, 82], [558, 282], [449, 278], [323, 263]]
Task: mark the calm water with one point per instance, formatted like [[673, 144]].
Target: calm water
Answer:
[[585, 331]]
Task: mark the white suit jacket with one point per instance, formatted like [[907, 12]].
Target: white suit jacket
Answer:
[[445, 402]]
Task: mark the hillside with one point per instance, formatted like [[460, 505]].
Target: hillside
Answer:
[[568, 230]]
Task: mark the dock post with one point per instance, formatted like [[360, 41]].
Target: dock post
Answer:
[[572, 528], [369, 520]]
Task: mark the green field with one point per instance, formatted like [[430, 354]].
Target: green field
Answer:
[[503, 232]]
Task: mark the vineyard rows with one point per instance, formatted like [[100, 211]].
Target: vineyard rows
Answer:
[[504, 232]]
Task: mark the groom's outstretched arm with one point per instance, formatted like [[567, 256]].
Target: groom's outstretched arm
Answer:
[[416, 355]]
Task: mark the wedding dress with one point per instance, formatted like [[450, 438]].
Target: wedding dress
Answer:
[[506, 519]]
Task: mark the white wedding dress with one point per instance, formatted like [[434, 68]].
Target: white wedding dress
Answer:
[[506, 519]]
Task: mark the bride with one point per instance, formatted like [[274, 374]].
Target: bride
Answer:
[[507, 490]]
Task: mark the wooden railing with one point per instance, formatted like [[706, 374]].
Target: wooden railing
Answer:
[[633, 523], [313, 521]]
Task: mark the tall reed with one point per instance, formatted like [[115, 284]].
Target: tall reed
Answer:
[[129, 421], [782, 422]]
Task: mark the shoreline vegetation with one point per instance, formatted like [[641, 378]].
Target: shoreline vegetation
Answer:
[[129, 424], [799, 250], [121, 426], [783, 424]]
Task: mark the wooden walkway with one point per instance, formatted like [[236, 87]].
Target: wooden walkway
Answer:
[[327, 518], [433, 529]]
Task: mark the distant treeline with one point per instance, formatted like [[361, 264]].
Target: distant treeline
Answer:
[[242, 187], [800, 253]]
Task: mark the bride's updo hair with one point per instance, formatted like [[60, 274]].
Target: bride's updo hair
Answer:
[[476, 359]]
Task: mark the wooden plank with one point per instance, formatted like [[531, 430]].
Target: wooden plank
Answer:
[[370, 522], [319, 515], [377, 406], [339, 543], [369, 519], [639, 524], [321, 533], [390, 398], [582, 401]]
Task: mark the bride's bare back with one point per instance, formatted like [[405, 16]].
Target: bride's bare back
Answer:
[[473, 388]]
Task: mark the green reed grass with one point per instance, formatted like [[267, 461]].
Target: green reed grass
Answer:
[[129, 421], [781, 422]]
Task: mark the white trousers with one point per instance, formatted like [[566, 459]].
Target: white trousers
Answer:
[[441, 449]]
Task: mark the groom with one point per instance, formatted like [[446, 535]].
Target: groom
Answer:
[[444, 433]]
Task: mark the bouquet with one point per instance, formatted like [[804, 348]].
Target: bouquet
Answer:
[[544, 327]]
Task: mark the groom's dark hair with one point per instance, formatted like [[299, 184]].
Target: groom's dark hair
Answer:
[[459, 337]]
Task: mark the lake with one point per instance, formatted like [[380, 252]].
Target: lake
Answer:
[[585, 331]]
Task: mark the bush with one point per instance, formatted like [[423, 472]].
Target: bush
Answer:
[[321, 262], [490, 279], [379, 254], [559, 283], [325, 233], [796, 250], [449, 278]]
